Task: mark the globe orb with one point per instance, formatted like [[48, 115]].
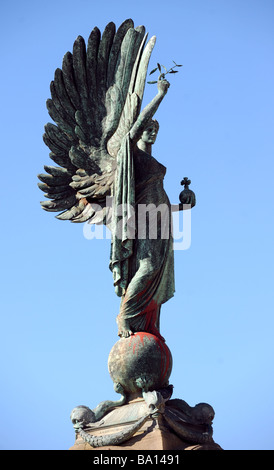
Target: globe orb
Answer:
[[140, 356]]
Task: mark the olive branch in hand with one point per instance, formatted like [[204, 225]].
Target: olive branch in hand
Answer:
[[162, 75]]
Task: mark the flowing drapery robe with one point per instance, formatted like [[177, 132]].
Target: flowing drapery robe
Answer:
[[142, 260]]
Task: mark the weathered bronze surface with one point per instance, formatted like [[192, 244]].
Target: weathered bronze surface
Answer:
[[154, 422], [102, 143], [140, 362], [106, 174]]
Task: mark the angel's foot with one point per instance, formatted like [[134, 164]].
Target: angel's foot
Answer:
[[124, 330], [125, 333]]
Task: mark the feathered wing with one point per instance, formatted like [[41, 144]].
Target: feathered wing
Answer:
[[95, 99]]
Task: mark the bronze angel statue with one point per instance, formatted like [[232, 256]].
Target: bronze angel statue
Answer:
[[102, 144]]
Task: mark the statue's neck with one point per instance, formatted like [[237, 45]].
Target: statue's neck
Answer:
[[144, 146]]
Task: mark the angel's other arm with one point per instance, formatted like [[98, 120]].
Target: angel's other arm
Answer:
[[149, 111]]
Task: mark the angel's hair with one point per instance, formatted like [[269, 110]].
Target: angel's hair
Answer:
[[155, 123]]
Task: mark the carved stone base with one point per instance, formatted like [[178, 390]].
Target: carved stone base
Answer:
[[176, 427], [142, 356]]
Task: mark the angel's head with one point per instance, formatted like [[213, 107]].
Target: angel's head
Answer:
[[150, 133]]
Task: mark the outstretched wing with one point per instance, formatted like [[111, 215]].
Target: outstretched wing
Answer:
[[95, 99]]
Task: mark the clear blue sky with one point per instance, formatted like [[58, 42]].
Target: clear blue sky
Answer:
[[58, 306]]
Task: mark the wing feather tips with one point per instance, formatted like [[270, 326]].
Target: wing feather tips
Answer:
[[74, 211], [62, 160], [58, 171], [115, 50], [85, 211], [79, 58], [51, 180], [69, 80], [103, 56], [58, 206], [91, 63], [140, 81], [74, 92], [61, 108], [54, 140], [86, 214], [55, 189], [62, 94], [58, 138], [81, 212], [57, 115]]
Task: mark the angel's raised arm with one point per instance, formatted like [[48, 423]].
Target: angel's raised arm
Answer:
[[148, 112]]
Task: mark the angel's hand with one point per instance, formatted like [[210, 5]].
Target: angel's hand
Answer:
[[163, 85]]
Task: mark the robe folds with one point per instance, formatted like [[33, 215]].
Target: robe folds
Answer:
[[142, 258]]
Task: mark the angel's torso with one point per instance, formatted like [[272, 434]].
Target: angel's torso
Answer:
[[149, 176]]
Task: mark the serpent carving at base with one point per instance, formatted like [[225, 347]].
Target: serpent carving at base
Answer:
[[102, 143], [193, 425]]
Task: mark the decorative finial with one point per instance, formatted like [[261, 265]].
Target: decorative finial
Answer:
[[186, 182], [187, 197]]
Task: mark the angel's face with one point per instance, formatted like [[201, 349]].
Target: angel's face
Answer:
[[150, 134]]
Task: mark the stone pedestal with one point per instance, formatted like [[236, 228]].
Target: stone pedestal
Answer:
[[168, 430]]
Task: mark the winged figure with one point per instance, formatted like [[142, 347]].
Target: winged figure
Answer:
[[101, 142]]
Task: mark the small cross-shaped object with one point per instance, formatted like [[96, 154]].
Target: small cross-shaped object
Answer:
[[185, 182]]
